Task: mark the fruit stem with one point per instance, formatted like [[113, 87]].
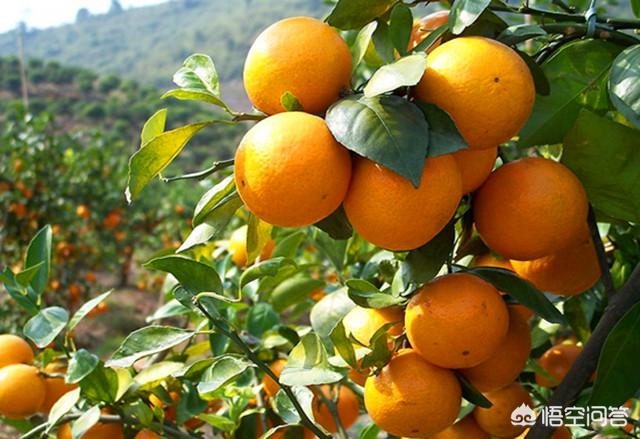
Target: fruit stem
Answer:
[[221, 326], [217, 166]]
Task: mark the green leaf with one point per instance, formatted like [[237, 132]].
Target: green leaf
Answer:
[[574, 71], [334, 250], [343, 345], [39, 252], [153, 127], [365, 294], [464, 13], [337, 225], [624, 83], [444, 137], [25, 297], [153, 375], [635, 6], [519, 33], [88, 419], [45, 326], [371, 431], [617, 377], [293, 291], [288, 246], [384, 52], [540, 80], [25, 277], [82, 363], [430, 40], [290, 102], [574, 312], [147, 341], [353, 14], [261, 318], [223, 370], [604, 156], [308, 364], [423, 264], [101, 385], [62, 406], [361, 43], [219, 422], [213, 199], [86, 309], [329, 312], [285, 408], [146, 163], [521, 290], [269, 268], [386, 129], [471, 394], [197, 277], [380, 353], [400, 27], [404, 72], [258, 234]]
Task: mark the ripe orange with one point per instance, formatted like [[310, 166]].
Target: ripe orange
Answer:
[[170, 412], [290, 171], [570, 271], [238, 247], [411, 397], [466, 428], [98, 431], [490, 260], [496, 420], [83, 211], [530, 208], [506, 363], [14, 350], [445, 311], [348, 409], [557, 361], [475, 166], [22, 391], [55, 387], [427, 24], [358, 377], [389, 212], [362, 323], [147, 434], [489, 101], [300, 55], [268, 384]]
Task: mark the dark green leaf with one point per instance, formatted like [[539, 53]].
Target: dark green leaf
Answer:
[[575, 70], [39, 252], [195, 276], [382, 43], [82, 363], [45, 326], [471, 394], [521, 290], [25, 277], [308, 364], [85, 309], [261, 318], [635, 5], [380, 353], [288, 247], [386, 129], [422, 264], [361, 43], [519, 33], [400, 27], [353, 14], [147, 341], [430, 40], [617, 377], [290, 102], [404, 72], [574, 312], [488, 24], [464, 13], [367, 295], [624, 83], [540, 80], [604, 156], [25, 297], [190, 403], [270, 267], [101, 385], [337, 225], [223, 370], [214, 200], [343, 345], [293, 291], [444, 137], [334, 250], [329, 311]]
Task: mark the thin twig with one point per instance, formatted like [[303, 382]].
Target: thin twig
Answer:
[[217, 166], [238, 117], [333, 410], [602, 256]]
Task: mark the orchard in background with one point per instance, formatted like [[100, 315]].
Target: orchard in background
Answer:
[[432, 222]]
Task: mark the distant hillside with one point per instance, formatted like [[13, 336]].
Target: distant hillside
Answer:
[[149, 43]]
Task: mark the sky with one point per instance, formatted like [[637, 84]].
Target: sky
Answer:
[[47, 13]]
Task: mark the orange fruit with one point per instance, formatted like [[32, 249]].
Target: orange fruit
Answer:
[[358, 377], [22, 391], [14, 350], [488, 101], [300, 55], [90, 277], [530, 208], [466, 428], [170, 412], [98, 431], [362, 323], [427, 24], [475, 166], [268, 384], [238, 247], [411, 397], [440, 317], [506, 363], [559, 433], [389, 212], [567, 272], [557, 361], [496, 420], [290, 171], [489, 260], [348, 408], [83, 211], [147, 434], [55, 387]]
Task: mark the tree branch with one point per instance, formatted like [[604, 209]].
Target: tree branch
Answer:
[[583, 368]]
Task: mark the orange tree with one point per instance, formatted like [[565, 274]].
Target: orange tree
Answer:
[[435, 224]]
